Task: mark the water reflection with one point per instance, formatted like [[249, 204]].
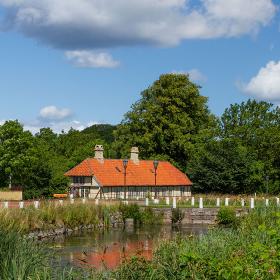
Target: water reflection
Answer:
[[107, 249]]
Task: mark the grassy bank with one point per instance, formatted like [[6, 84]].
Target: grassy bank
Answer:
[[250, 251], [53, 216]]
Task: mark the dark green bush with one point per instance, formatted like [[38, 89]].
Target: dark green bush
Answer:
[[177, 215], [130, 211], [226, 216]]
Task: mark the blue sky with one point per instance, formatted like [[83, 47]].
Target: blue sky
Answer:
[[81, 62]]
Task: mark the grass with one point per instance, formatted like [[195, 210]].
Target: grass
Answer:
[[250, 251], [51, 216]]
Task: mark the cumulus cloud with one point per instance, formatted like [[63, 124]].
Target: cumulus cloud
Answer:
[[266, 84], [57, 119], [95, 24], [91, 59], [194, 74], [52, 113]]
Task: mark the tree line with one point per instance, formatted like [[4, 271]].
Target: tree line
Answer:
[[238, 152]]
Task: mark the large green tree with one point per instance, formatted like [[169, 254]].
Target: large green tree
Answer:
[[165, 121], [22, 160], [244, 154]]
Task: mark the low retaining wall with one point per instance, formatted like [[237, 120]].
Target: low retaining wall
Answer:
[[196, 215], [11, 195]]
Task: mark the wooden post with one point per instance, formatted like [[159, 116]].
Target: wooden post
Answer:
[[174, 204], [36, 204], [226, 201], [266, 202], [201, 202], [193, 201], [218, 202], [167, 201], [252, 205]]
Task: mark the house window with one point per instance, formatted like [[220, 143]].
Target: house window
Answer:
[[79, 180], [182, 190]]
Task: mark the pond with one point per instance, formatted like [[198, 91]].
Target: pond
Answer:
[[107, 249]]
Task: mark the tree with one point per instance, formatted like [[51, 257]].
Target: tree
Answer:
[[22, 159], [164, 122], [256, 126], [225, 166]]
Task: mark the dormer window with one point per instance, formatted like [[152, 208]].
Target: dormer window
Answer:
[[78, 180]]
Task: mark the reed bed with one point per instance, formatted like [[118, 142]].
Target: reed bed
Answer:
[[52, 216]]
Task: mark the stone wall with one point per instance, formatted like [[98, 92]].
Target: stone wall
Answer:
[[195, 215]]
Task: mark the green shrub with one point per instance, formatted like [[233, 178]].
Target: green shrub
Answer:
[[226, 216], [177, 215], [130, 211]]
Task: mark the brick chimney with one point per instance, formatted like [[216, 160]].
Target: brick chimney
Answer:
[[98, 152], [134, 155]]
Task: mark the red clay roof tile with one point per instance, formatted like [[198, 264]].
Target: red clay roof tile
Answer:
[[109, 172]]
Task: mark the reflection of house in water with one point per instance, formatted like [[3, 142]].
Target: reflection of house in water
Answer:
[[134, 178], [111, 256]]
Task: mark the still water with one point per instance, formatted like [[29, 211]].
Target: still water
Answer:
[[107, 249]]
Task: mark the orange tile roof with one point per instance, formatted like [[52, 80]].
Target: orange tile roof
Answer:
[[109, 172]]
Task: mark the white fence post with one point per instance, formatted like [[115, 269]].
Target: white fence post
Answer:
[[6, 204], [21, 204], [226, 201], [277, 201], [72, 200], [252, 205], [193, 201], [96, 201], [218, 202], [200, 202], [167, 200], [266, 202], [242, 202], [61, 202], [174, 202], [84, 200], [36, 204], [147, 201], [156, 201]]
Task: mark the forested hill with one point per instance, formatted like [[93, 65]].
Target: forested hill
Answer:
[[101, 131]]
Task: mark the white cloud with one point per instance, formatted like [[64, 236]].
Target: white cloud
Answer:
[[91, 59], [194, 75], [266, 84], [95, 24], [52, 113]]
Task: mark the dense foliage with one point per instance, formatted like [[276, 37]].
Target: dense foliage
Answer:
[[37, 162], [236, 153]]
